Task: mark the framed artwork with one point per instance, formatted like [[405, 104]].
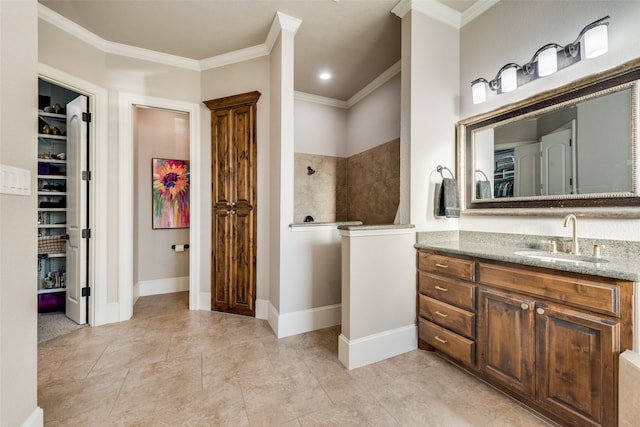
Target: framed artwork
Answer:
[[170, 193]]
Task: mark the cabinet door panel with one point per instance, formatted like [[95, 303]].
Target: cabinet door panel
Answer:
[[576, 364], [506, 339]]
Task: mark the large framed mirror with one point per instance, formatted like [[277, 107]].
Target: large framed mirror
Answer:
[[573, 147]]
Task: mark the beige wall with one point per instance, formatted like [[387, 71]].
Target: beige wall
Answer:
[[116, 74], [509, 24], [224, 81], [18, 148], [164, 135]]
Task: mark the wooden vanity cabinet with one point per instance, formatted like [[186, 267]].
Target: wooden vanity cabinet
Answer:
[[446, 306], [549, 338], [506, 339]]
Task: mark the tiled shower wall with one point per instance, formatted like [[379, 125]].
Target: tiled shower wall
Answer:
[[364, 187]]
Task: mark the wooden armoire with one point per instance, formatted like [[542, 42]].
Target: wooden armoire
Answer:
[[234, 198]]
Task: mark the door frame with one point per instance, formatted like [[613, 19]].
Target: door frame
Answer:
[[126, 104], [98, 190]]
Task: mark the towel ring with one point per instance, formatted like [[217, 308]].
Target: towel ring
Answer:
[[441, 169], [486, 178]]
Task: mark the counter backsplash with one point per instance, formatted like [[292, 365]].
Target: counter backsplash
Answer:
[[612, 248]]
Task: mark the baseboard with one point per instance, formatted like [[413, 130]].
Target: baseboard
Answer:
[[36, 419], [262, 309], [374, 348], [299, 322], [136, 292], [162, 286], [205, 301]]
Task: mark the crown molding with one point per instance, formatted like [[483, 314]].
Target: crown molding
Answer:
[[81, 33], [152, 56], [443, 13], [317, 99], [71, 27], [281, 22], [477, 9], [387, 75], [234, 57]]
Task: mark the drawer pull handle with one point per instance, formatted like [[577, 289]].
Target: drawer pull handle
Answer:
[[441, 289], [443, 341], [442, 265], [441, 314]]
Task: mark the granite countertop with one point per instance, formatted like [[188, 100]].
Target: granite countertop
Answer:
[[624, 268]]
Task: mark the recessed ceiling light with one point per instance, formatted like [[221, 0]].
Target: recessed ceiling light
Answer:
[[325, 76]]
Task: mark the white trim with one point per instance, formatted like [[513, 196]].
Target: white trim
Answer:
[[112, 313], [299, 322], [439, 12], [322, 100], [476, 9], [98, 164], [273, 317], [71, 27], [205, 301], [386, 75], [36, 419], [374, 348], [280, 21], [443, 13], [152, 56], [126, 104], [162, 286], [240, 55], [363, 231], [262, 309]]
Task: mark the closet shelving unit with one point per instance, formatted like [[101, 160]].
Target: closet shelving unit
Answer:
[[52, 205]]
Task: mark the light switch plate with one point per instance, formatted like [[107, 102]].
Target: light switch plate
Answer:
[[15, 180]]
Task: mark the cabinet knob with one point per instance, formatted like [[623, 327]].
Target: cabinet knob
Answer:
[[540, 310], [524, 306]]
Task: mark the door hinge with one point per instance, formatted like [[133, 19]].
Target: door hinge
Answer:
[[86, 291], [86, 233], [86, 175], [86, 117]]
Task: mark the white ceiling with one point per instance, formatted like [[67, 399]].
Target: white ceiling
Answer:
[[356, 40]]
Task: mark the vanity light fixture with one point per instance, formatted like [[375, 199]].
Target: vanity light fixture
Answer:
[[593, 39]]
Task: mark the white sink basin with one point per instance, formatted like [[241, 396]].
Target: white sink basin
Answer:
[[560, 257]]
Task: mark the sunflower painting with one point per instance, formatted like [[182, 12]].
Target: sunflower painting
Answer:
[[170, 193]]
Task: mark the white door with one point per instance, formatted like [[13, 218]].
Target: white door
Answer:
[[76, 210], [556, 163], [526, 159]]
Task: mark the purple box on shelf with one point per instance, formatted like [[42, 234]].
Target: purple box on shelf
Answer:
[[47, 169], [51, 302]]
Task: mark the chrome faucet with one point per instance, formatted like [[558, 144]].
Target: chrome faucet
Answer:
[[574, 244]]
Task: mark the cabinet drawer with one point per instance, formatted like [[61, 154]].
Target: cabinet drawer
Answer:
[[446, 265], [448, 316], [461, 294], [447, 342], [599, 296]]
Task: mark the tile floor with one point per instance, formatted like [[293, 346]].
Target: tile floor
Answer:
[[169, 366]]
